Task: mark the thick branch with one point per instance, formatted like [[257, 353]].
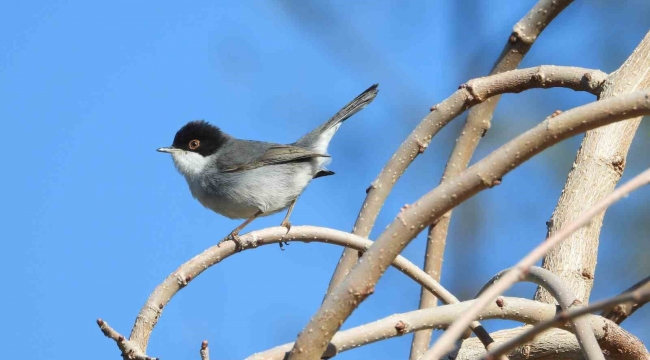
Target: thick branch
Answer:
[[620, 312], [639, 295], [524, 33], [151, 311], [488, 172], [474, 92], [597, 169], [446, 341], [561, 292]]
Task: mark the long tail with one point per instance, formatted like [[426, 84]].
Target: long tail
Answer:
[[319, 138]]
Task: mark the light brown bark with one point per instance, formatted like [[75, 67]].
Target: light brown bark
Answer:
[[596, 171]]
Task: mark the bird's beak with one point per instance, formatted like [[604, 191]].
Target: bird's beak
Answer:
[[170, 149]]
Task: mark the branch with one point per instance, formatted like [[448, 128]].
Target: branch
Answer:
[[160, 297], [488, 172], [561, 292], [554, 344], [472, 93], [445, 343], [129, 350], [524, 34], [508, 308], [622, 311], [597, 169], [639, 295], [205, 352]]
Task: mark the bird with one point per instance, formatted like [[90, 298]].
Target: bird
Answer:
[[247, 179]]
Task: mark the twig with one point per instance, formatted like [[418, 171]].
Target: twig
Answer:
[[445, 343], [129, 350], [160, 297], [524, 34], [622, 311], [359, 284], [562, 293], [472, 93], [205, 352], [638, 295]]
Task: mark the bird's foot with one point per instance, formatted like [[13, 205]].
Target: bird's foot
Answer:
[[234, 236], [287, 225]]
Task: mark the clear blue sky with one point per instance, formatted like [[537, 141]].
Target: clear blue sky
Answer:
[[92, 218]]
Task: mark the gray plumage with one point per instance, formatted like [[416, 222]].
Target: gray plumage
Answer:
[[244, 179]]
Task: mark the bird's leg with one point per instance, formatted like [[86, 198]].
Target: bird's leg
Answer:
[[234, 235], [286, 222]]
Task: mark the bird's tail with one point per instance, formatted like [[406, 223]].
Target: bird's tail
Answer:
[[319, 138]]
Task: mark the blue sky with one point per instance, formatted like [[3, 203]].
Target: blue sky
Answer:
[[93, 218]]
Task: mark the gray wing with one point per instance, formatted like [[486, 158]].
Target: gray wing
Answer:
[[272, 154]]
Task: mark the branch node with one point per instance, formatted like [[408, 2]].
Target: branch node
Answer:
[[401, 327]]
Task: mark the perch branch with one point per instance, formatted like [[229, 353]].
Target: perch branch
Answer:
[[160, 297], [524, 34], [469, 94], [638, 295], [445, 343], [360, 282], [622, 311], [562, 293]]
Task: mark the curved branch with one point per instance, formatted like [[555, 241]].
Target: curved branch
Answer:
[[472, 93], [638, 295], [524, 34], [359, 284], [620, 312], [561, 292], [129, 349], [445, 343], [160, 297]]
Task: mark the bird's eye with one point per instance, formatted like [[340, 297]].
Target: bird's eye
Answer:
[[194, 144]]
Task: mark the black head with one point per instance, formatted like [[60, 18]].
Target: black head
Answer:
[[200, 137]]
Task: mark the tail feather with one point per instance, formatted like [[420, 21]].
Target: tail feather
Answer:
[[319, 138]]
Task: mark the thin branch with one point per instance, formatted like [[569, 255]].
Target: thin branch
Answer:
[[359, 284], [638, 295], [472, 93], [524, 34], [597, 169], [622, 311], [160, 297], [129, 350], [205, 351], [446, 341], [562, 293]]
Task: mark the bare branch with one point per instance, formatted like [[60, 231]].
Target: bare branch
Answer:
[[359, 284], [562, 293], [554, 344], [445, 343], [160, 297], [597, 169], [472, 93], [129, 350], [205, 352], [639, 295], [524, 33], [508, 308], [622, 311]]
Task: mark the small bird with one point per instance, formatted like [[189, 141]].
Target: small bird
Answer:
[[246, 179]]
